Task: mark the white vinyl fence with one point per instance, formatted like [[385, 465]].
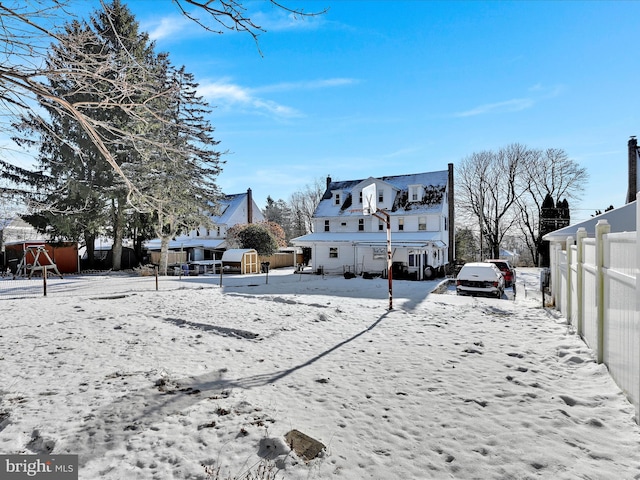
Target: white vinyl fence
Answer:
[[594, 283]]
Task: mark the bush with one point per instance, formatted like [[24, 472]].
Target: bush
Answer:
[[258, 237]]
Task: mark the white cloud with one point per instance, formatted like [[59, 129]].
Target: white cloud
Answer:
[[307, 85], [514, 105], [166, 27], [281, 21], [401, 152], [225, 93], [538, 92]]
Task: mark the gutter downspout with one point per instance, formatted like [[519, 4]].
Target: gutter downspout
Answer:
[[451, 251]]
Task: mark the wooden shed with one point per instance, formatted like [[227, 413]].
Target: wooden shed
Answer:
[[63, 254], [242, 260]]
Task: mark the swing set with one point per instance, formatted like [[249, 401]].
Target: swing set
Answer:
[[36, 259]]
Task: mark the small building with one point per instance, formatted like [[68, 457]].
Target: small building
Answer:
[[63, 254], [240, 260]]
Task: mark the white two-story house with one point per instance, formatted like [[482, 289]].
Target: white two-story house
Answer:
[[420, 209], [208, 243]]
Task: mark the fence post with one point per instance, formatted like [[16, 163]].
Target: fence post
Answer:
[[581, 234], [602, 228], [44, 280], [569, 312], [556, 291]]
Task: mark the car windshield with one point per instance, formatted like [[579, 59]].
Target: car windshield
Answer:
[[477, 271]]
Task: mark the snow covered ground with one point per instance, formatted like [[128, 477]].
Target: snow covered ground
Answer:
[[179, 382]]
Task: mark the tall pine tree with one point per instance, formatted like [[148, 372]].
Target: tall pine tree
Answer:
[[149, 117]]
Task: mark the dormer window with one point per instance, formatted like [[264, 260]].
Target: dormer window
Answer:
[[415, 193], [336, 198], [381, 197]]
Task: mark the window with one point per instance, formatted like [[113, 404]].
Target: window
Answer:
[[380, 225], [337, 199], [326, 225], [360, 198], [446, 224], [333, 252], [381, 197], [361, 224], [414, 193], [401, 224], [422, 223]]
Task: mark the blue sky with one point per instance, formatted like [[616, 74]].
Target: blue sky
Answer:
[[376, 88]]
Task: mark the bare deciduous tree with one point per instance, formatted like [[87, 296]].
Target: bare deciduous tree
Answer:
[[548, 172], [488, 188], [303, 204], [504, 191], [232, 15]]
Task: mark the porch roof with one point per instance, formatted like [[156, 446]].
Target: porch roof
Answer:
[[208, 243], [373, 239]]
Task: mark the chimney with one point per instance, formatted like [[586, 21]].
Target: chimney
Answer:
[[632, 189], [249, 206], [328, 181], [452, 225]]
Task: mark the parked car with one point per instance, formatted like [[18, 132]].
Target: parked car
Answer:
[[480, 277], [508, 272]]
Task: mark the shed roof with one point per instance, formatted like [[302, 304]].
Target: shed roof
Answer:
[[236, 254], [621, 219]]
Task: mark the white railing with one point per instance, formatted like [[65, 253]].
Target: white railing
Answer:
[[594, 283]]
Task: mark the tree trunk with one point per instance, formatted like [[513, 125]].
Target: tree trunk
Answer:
[[118, 233], [164, 254], [90, 246]]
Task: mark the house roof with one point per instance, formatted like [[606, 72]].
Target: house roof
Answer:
[[398, 239], [621, 219], [227, 205], [434, 183]]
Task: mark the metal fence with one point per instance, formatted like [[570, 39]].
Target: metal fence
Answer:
[[107, 284], [103, 284]]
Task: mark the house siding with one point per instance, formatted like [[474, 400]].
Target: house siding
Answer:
[[423, 242]]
